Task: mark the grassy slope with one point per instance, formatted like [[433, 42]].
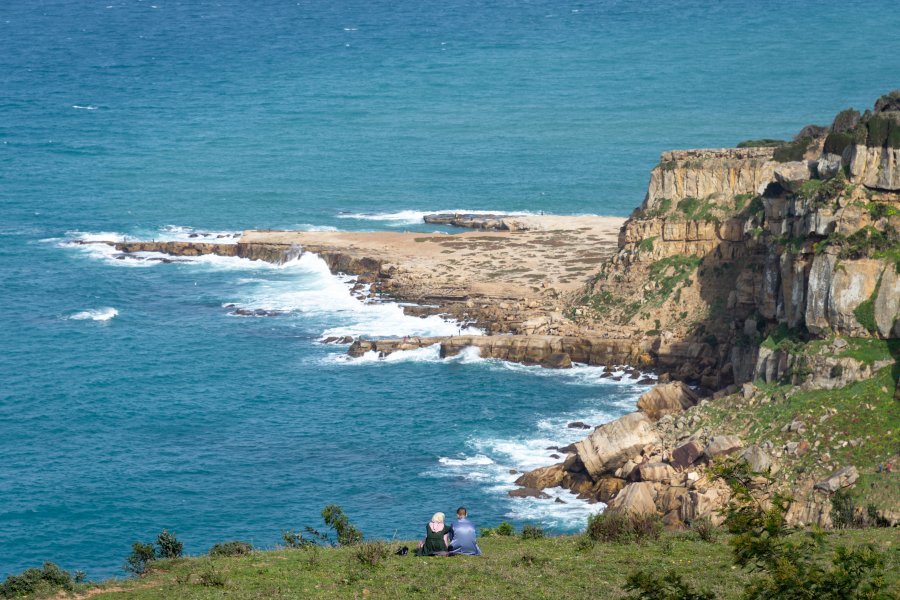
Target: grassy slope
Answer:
[[511, 568], [864, 410]]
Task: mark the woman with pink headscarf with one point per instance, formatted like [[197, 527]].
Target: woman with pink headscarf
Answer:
[[437, 537]]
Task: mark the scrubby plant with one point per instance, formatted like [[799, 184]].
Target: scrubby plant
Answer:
[[532, 532], [212, 577], [649, 585], [505, 529], [786, 560], [232, 548], [624, 527], [836, 143], [843, 511], [46, 580], [371, 553], [347, 533], [762, 143], [168, 544], [140, 558], [792, 151], [704, 528]]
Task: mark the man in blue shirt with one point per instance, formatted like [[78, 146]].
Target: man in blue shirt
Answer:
[[462, 535]]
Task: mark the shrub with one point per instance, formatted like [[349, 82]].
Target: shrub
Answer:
[[371, 553], [46, 580], [624, 527], [334, 517], [232, 548], [532, 532], [835, 143], [792, 151], [882, 130], [294, 540], [140, 558], [211, 577], [169, 546], [704, 529], [762, 143], [505, 529], [656, 586], [845, 121]]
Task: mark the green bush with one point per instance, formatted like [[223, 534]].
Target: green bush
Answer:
[[140, 558], [882, 130], [657, 586], [212, 577], [845, 121], [704, 529], [347, 534], [792, 151], [372, 553], [624, 527], [762, 143], [232, 548], [169, 546], [532, 532], [505, 529], [835, 143], [46, 580]]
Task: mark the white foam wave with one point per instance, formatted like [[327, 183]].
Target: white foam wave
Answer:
[[479, 459], [95, 314], [569, 513], [311, 227], [86, 107]]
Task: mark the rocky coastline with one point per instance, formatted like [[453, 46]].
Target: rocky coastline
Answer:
[[750, 278]]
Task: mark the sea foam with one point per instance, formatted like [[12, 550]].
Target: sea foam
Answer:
[[95, 314]]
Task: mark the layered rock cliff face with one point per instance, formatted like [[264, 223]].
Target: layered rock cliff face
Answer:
[[778, 265], [729, 245]]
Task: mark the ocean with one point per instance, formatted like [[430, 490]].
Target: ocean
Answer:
[[131, 400]]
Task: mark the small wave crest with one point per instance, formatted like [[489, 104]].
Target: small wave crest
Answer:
[[95, 314], [84, 107]]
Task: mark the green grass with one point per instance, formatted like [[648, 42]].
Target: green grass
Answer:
[[792, 151], [511, 568], [670, 273], [864, 410], [762, 143]]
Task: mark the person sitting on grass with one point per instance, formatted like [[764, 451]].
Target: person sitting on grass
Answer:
[[462, 535], [437, 537]]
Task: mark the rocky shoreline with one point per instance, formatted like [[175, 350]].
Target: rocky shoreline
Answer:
[[778, 265]]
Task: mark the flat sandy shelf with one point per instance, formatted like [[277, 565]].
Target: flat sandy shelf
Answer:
[[559, 252]]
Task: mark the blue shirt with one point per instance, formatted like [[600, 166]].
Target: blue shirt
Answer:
[[462, 538]]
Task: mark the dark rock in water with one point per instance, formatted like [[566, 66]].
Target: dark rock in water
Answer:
[[554, 448], [568, 449], [578, 425], [527, 493], [646, 381], [634, 375], [513, 472], [557, 360], [559, 500], [256, 312], [554, 455], [194, 235], [607, 369], [229, 305], [619, 378], [606, 375]]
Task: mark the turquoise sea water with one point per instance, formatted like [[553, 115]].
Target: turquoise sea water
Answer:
[[130, 400]]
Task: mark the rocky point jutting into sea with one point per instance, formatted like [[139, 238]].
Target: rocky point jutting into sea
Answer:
[[760, 283]]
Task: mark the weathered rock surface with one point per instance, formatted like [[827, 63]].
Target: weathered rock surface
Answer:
[[666, 399], [609, 446], [635, 498], [792, 175], [723, 444], [839, 479]]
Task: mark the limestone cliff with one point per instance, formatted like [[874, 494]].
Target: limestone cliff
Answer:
[[730, 245]]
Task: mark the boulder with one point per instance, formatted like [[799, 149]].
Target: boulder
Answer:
[[851, 285], [758, 460], [888, 102], [527, 493], [706, 503], [828, 165], [578, 425], [667, 398], [887, 304], [635, 498], [685, 455], [792, 175], [607, 488], [609, 446], [818, 290], [723, 444], [839, 479], [557, 360], [656, 471], [544, 477]]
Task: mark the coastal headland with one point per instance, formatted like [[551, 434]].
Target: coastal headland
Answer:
[[761, 283]]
